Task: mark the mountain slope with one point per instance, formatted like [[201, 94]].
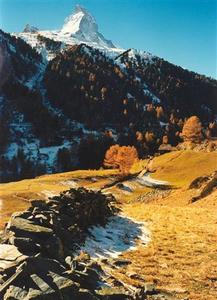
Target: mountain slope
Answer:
[[176, 87]]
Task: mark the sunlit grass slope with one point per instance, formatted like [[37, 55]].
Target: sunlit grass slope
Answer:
[[182, 255]]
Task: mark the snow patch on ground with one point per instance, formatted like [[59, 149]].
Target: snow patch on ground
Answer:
[[48, 155], [119, 234], [151, 182]]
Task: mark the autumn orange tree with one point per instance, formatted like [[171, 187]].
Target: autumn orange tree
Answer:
[[192, 130], [121, 158]]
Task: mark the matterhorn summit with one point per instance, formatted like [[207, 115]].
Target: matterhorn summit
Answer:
[[82, 26], [30, 29], [78, 28]]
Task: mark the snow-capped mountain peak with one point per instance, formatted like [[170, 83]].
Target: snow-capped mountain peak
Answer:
[[81, 20], [80, 8], [82, 26], [30, 29]]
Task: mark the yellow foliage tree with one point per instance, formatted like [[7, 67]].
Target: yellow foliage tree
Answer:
[[192, 130], [149, 137], [160, 112], [110, 159], [121, 158], [139, 136]]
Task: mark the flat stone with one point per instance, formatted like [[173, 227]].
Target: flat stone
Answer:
[[26, 245], [15, 293], [9, 252], [17, 274], [133, 275], [23, 226], [121, 262], [69, 262], [54, 247], [113, 294], [6, 265], [47, 235], [2, 279], [86, 294], [35, 294], [42, 265], [41, 216], [66, 287], [41, 284], [91, 273], [39, 203]]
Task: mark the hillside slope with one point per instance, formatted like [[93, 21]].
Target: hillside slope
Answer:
[[180, 260]]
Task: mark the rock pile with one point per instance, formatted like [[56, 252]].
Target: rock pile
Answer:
[[53, 228], [36, 258]]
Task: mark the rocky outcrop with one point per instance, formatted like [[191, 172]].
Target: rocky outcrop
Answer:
[[208, 145], [204, 185]]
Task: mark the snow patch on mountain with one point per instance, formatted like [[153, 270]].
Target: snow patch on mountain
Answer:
[[146, 56], [155, 99]]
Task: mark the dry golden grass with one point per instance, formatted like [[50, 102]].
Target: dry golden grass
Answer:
[[181, 167], [139, 165], [182, 255]]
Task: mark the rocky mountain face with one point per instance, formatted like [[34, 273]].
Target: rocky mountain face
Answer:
[[70, 92], [30, 29]]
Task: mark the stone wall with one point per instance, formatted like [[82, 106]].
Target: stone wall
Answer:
[[37, 254]]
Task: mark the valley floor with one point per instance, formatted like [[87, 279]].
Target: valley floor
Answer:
[[180, 260]]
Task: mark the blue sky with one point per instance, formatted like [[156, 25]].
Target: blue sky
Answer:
[[181, 31]]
